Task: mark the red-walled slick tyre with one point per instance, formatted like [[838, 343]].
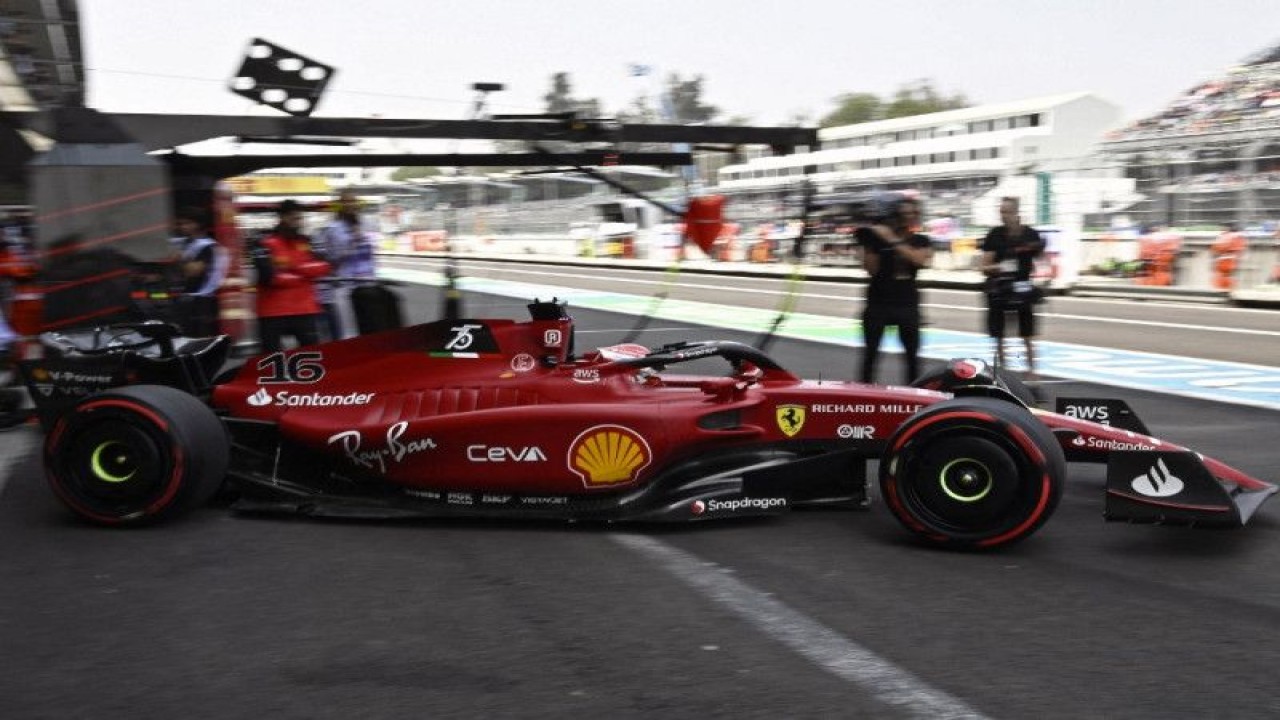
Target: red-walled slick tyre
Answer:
[[972, 473], [136, 455]]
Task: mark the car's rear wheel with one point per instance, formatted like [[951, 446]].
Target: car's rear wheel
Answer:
[[972, 472], [135, 455]]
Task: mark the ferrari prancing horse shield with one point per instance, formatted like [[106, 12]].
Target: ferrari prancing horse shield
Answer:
[[790, 418]]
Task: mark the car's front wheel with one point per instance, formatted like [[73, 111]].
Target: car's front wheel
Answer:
[[972, 472]]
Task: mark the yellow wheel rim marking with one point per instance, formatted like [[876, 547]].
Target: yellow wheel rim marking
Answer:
[[946, 486], [100, 472]]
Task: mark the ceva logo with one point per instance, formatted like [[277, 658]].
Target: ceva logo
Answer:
[[260, 398], [1158, 481]]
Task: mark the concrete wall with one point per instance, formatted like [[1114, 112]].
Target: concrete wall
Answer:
[[110, 195]]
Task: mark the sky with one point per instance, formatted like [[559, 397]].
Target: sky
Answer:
[[765, 60]]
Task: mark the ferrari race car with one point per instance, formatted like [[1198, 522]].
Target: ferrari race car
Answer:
[[499, 418]]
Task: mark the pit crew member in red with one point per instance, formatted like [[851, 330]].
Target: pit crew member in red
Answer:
[[286, 271]]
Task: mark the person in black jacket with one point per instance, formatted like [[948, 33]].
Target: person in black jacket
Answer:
[[892, 254], [1008, 258]]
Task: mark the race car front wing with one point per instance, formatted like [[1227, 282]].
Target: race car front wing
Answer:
[[1180, 488]]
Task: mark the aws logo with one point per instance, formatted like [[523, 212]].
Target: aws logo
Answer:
[[790, 418], [609, 455]]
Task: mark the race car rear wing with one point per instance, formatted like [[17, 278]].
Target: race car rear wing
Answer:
[[1180, 488]]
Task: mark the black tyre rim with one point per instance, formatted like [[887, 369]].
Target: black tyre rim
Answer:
[[115, 466], [966, 480], [972, 483]]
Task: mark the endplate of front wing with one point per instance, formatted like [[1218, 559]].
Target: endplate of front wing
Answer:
[[1176, 488]]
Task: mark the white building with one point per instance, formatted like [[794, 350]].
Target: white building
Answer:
[[962, 161]]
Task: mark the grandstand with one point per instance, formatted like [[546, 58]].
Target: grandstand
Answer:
[[961, 161], [1212, 155]]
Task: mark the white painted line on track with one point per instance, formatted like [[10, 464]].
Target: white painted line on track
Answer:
[[1152, 323], [821, 645]]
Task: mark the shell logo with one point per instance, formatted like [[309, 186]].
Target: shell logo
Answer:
[[608, 455]]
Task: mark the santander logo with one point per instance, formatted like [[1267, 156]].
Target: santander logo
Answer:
[[260, 398], [1158, 481]]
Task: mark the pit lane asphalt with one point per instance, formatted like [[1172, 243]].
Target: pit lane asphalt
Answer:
[[220, 615]]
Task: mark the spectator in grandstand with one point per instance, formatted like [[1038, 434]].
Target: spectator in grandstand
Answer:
[[1008, 255], [1249, 93], [892, 254], [349, 249], [286, 274], [1227, 251], [203, 266]]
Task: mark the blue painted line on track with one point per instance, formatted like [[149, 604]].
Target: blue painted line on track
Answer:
[[1219, 381]]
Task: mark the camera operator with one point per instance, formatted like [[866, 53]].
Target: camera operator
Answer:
[[1008, 254], [892, 254]]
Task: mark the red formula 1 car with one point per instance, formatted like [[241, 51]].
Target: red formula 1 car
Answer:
[[498, 418]]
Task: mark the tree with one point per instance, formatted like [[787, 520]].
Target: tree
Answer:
[[638, 112], [409, 172], [686, 101], [919, 97], [560, 98], [853, 108], [799, 118]]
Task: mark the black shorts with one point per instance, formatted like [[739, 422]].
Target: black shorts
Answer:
[[998, 315]]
